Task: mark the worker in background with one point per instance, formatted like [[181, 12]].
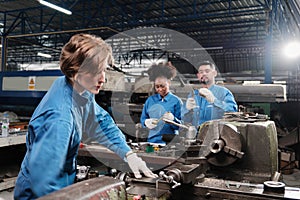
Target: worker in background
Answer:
[[209, 101], [163, 105], [66, 112]]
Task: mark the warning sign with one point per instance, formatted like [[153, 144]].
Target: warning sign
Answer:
[[31, 83]]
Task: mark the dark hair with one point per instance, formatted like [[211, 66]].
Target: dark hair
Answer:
[[161, 70], [84, 52], [212, 65]]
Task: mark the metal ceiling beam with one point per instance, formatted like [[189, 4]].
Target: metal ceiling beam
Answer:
[[237, 17], [134, 20]]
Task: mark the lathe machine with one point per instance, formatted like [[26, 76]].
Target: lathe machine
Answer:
[[231, 158]]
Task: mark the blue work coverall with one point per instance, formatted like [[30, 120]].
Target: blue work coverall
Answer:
[[54, 135], [155, 107], [206, 111]]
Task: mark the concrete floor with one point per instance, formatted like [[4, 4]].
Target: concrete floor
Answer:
[[292, 180]]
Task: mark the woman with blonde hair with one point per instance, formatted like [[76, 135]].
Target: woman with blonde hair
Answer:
[[65, 114]]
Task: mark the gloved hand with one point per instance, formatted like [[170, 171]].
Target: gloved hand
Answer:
[[168, 116], [136, 164], [190, 103], [207, 94], [151, 123]]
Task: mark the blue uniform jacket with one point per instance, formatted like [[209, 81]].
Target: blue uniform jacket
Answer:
[[206, 111], [155, 106], [54, 134]]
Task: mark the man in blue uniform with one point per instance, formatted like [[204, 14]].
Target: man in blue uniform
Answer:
[[209, 101]]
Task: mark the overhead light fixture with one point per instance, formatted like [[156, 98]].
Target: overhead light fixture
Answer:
[[50, 5], [0, 45], [292, 49], [44, 55]]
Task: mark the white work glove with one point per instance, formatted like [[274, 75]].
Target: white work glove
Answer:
[[151, 123], [190, 103], [136, 164], [168, 116], [207, 94]]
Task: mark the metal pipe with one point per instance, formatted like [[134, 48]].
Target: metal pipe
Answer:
[[176, 124], [59, 32]]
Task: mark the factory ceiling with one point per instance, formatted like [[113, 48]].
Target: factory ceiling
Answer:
[[220, 26]]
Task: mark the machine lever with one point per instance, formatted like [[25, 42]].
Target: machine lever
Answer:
[[169, 179]]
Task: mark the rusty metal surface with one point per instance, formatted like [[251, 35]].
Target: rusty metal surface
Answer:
[[232, 139], [104, 188], [101, 152], [218, 130], [223, 189], [226, 179], [107, 188], [149, 192], [188, 172], [258, 143]]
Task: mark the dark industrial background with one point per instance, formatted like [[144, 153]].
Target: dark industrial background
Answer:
[[244, 38]]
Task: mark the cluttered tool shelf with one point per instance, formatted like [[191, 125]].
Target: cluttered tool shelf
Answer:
[[16, 134]]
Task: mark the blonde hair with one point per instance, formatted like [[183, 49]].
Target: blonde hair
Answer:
[[85, 53]]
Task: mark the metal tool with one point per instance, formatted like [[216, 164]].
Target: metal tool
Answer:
[[156, 121], [175, 123], [169, 179]]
